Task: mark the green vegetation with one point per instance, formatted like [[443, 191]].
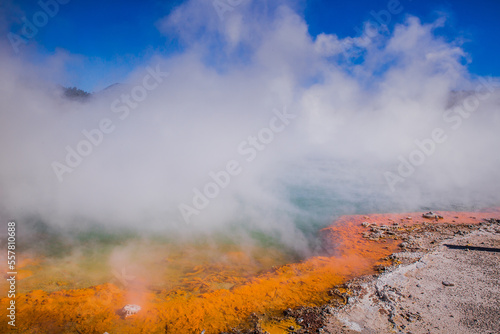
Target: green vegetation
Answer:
[[76, 93]]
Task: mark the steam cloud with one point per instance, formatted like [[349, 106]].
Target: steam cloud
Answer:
[[359, 104]]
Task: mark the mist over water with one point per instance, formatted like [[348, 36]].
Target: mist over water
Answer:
[[351, 121]]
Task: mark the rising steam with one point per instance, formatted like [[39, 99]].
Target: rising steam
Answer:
[[356, 108]]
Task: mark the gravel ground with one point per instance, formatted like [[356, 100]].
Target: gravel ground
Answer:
[[446, 291]]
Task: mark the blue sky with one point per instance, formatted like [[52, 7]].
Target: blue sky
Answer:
[[115, 36], [372, 98]]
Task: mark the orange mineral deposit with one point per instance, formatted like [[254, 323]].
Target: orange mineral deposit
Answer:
[[190, 291]]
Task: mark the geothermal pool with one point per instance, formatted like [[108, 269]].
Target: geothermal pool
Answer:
[[78, 278], [209, 284]]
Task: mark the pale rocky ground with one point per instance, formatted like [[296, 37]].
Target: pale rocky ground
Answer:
[[415, 298]]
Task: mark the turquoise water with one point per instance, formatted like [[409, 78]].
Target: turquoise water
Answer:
[[313, 196]]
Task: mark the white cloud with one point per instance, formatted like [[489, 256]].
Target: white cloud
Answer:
[[353, 122]]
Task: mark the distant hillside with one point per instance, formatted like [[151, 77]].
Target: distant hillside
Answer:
[[76, 93]]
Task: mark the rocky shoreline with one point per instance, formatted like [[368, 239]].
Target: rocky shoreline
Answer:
[[444, 279]]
